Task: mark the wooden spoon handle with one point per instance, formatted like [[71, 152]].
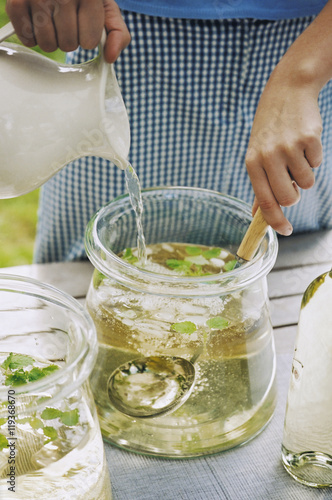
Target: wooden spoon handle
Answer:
[[253, 237]]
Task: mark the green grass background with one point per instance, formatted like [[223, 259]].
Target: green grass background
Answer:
[[18, 216]]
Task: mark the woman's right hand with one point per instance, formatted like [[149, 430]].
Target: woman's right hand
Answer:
[[66, 24]]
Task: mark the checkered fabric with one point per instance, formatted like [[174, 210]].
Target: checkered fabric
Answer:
[[191, 88]]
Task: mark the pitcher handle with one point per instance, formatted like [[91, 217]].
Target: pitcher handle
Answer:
[[6, 31]]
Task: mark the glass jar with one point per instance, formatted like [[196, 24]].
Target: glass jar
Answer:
[[307, 439], [50, 439], [134, 309]]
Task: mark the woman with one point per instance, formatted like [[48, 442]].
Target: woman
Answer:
[[211, 88]]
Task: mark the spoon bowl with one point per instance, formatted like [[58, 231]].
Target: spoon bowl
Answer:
[[151, 386]]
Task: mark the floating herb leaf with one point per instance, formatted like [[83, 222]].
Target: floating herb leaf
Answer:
[[97, 279], [14, 361], [35, 422], [18, 377], [51, 413], [229, 266], [3, 442], [184, 327], [70, 418], [217, 323], [51, 433], [212, 253], [178, 265], [37, 373], [129, 256], [3, 421], [193, 250]]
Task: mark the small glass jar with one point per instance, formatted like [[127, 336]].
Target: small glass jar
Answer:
[[50, 439], [134, 309], [307, 439]]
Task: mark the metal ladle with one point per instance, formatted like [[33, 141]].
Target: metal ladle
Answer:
[[155, 385], [152, 386]]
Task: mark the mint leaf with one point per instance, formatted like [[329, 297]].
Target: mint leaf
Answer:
[[50, 413], [19, 377], [212, 253], [217, 323], [35, 422], [184, 327], [3, 442], [193, 251], [178, 264], [51, 433], [129, 256], [37, 373], [97, 278], [50, 369], [3, 421], [229, 266], [70, 417], [14, 361]]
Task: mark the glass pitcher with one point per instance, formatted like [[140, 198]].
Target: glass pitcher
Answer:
[[135, 311], [53, 113], [50, 439]]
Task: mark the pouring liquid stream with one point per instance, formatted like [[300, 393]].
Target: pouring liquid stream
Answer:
[[135, 195]]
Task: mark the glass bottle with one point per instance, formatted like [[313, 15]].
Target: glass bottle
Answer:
[[307, 439], [135, 309], [50, 439]]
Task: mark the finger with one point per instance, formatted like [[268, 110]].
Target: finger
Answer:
[[254, 206], [66, 26], [301, 172], [118, 36], [277, 175], [90, 23], [20, 17], [270, 207], [313, 152], [43, 27]]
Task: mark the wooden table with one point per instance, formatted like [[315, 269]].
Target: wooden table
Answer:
[[253, 471]]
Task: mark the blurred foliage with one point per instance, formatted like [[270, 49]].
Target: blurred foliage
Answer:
[[18, 220]]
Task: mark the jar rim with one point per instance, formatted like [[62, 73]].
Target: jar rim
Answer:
[[112, 266], [85, 350]]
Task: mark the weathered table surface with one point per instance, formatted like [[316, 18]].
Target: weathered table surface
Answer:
[[253, 471]]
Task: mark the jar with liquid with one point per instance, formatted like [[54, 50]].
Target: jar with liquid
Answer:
[[50, 440], [307, 439], [184, 299]]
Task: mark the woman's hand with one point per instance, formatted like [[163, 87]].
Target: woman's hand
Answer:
[[66, 24], [285, 146]]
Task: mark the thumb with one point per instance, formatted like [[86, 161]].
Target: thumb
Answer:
[[118, 36]]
